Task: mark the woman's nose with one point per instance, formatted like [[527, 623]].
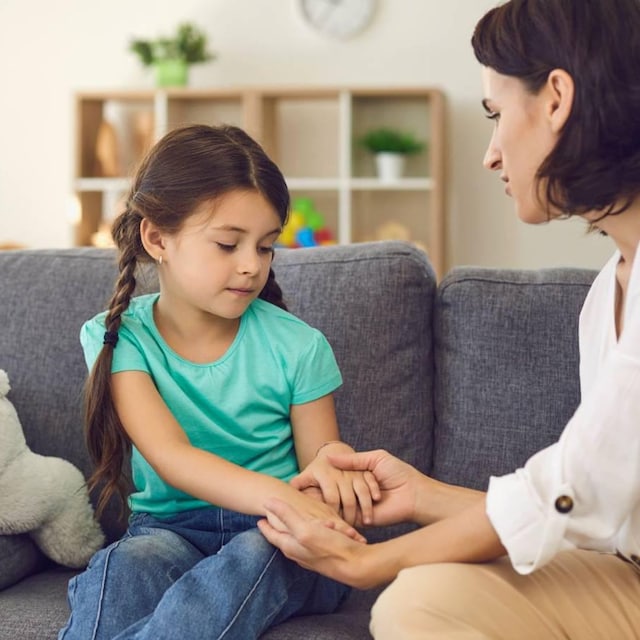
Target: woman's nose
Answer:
[[492, 158]]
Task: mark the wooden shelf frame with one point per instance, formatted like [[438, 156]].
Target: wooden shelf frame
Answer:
[[323, 121]]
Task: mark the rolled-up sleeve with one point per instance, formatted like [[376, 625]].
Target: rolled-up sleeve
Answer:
[[581, 491]]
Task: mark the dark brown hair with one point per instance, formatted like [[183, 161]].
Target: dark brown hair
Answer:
[[595, 165], [188, 166]]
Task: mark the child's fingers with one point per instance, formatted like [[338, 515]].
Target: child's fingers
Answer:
[[330, 493], [374, 487], [363, 494], [348, 499]]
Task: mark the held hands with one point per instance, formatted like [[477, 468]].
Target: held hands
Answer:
[[396, 493], [350, 492], [319, 544]]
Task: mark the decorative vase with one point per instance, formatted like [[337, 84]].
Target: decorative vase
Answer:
[[390, 166], [171, 73]]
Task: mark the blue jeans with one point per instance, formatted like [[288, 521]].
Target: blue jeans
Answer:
[[207, 573]]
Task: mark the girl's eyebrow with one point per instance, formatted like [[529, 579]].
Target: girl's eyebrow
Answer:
[[230, 227]]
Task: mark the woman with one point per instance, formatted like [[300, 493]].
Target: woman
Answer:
[[551, 550]]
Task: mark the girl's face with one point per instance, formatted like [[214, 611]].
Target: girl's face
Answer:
[[219, 262], [523, 136]]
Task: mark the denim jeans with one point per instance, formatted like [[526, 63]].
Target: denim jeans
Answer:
[[207, 573]]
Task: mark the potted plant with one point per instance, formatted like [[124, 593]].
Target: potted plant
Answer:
[[390, 147], [171, 57]]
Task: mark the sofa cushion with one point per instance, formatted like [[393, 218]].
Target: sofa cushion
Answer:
[[506, 359], [36, 607], [19, 557]]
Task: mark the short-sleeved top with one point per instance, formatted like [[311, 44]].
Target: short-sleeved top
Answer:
[[237, 407]]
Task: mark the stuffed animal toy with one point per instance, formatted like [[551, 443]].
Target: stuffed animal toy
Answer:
[[43, 496]]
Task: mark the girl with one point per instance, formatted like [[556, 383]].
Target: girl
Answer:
[[219, 395], [562, 88]]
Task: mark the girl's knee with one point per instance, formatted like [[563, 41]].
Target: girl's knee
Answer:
[[124, 582], [155, 551], [136, 563]]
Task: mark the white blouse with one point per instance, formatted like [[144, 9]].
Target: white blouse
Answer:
[[584, 490]]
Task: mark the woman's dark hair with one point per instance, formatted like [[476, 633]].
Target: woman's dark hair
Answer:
[[188, 166], [595, 165]]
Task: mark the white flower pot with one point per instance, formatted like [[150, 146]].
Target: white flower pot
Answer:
[[390, 166]]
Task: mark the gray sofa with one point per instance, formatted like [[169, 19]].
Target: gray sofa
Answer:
[[463, 380]]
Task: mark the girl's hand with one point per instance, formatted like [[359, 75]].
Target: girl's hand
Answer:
[[350, 493], [398, 484]]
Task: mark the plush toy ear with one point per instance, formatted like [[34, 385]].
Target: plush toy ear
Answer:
[[5, 387]]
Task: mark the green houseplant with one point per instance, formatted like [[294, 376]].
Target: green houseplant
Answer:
[[171, 57], [386, 140], [390, 147]]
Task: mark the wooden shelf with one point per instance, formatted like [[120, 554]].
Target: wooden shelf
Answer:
[[310, 132], [403, 184]]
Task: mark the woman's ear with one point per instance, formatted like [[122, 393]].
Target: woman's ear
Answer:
[[152, 239], [560, 89]]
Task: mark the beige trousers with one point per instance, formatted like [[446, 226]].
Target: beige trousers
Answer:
[[580, 595]]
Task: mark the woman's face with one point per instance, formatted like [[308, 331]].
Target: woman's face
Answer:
[[523, 136]]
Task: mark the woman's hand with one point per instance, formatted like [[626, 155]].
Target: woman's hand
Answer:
[[406, 495], [310, 508], [351, 493], [316, 545], [398, 484], [465, 536]]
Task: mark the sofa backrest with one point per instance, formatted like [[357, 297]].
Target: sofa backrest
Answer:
[[372, 301], [506, 359]]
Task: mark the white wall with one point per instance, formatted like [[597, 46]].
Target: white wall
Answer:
[[49, 50]]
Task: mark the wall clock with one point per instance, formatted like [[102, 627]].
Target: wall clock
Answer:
[[338, 19]]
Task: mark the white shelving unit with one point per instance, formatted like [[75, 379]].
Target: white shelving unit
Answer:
[[310, 133]]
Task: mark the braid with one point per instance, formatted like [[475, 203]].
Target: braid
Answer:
[[272, 292], [124, 288], [107, 441]]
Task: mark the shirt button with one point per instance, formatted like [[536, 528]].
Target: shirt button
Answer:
[[564, 504]]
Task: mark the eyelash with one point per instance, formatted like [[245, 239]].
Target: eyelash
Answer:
[[231, 247]]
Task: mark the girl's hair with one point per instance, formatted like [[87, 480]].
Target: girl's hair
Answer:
[[188, 166], [595, 165]]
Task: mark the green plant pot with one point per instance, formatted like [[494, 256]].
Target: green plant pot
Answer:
[[171, 73]]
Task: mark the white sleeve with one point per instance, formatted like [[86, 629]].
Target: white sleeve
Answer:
[[581, 490]]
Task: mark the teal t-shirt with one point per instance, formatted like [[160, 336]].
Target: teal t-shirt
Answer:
[[236, 407]]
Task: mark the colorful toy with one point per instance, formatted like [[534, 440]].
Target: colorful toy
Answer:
[[305, 227]]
